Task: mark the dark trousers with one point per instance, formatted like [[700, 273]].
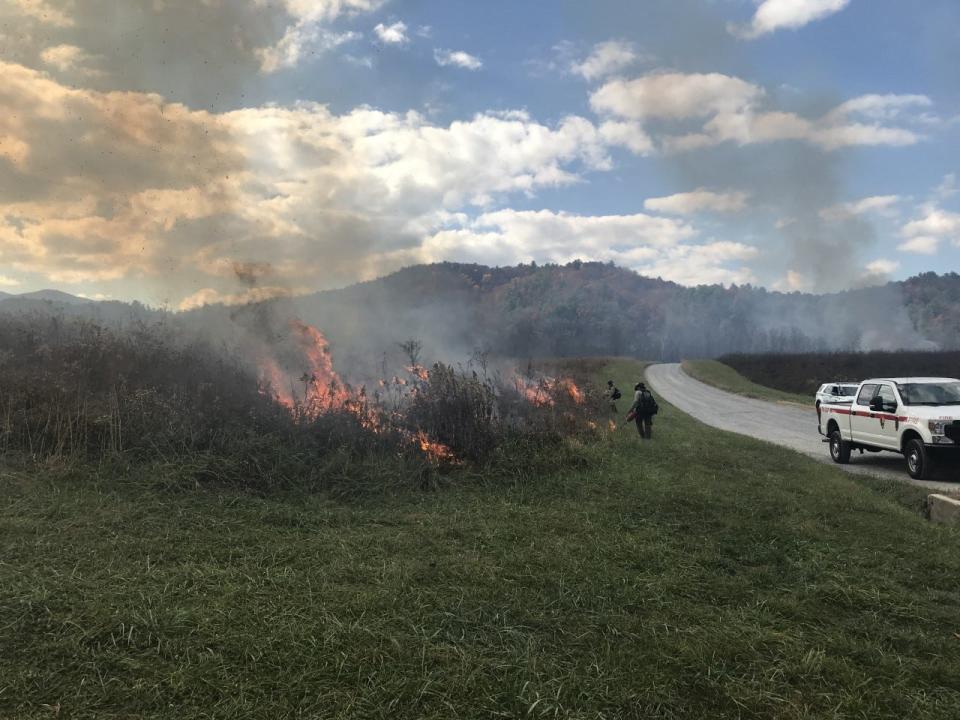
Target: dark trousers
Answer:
[[645, 426]]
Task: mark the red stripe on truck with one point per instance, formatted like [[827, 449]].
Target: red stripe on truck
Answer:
[[864, 413]]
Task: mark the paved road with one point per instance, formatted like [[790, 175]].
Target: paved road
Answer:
[[779, 423]]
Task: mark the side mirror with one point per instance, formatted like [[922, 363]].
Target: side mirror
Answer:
[[876, 404]]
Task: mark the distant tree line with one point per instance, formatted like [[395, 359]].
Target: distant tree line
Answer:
[[588, 309]]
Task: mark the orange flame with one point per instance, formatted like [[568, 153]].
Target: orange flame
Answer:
[[434, 450], [419, 372], [570, 388], [535, 393], [325, 392], [543, 392], [275, 381]]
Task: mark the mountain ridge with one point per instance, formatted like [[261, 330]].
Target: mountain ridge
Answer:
[[599, 308], [577, 309], [47, 295]]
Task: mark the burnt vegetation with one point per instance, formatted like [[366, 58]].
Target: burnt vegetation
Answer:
[[75, 392]]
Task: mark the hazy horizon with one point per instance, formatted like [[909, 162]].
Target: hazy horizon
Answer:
[[251, 295]]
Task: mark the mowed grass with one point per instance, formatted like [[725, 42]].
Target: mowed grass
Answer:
[[700, 575], [726, 378]]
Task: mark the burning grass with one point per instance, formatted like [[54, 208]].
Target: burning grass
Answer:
[[263, 412]]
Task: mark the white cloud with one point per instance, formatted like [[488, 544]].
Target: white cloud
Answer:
[[309, 31], [884, 205], [606, 58], [8, 281], [700, 200], [881, 107], [921, 245], [325, 10], [882, 266], [102, 208], [395, 34], [832, 137], [300, 41], [674, 96], [651, 245], [403, 163], [322, 196], [43, 11], [66, 58], [705, 264], [457, 58], [630, 135], [935, 222], [773, 15], [731, 110]]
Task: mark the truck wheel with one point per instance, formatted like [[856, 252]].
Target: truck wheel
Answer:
[[919, 462], [839, 448]]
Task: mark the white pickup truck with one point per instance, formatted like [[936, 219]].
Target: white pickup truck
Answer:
[[916, 417]]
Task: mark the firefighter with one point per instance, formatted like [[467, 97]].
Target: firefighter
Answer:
[[613, 394], [643, 409]]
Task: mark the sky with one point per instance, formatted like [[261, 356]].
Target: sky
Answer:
[[182, 152]]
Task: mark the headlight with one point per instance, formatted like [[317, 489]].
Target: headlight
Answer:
[[937, 427]]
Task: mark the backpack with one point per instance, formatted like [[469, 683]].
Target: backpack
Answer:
[[616, 394], [648, 403]]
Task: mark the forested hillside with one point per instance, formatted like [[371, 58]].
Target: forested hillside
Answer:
[[580, 309], [600, 309]]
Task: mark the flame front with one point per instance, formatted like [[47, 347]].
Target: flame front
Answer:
[[544, 392], [434, 450], [324, 392], [323, 389]]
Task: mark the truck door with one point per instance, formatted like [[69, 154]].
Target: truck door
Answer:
[[887, 426], [862, 426]]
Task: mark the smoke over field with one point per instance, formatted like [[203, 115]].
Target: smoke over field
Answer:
[[275, 390], [260, 404]]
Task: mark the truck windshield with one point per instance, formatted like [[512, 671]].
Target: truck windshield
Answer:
[[930, 393]]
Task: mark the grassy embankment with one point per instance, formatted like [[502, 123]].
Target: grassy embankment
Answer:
[[726, 378], [701, 575], [804, 372]]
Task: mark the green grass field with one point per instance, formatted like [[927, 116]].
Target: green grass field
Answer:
[[700, 575], [726, 378]]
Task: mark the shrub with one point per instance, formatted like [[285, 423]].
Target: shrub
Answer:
[[71, 391]]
